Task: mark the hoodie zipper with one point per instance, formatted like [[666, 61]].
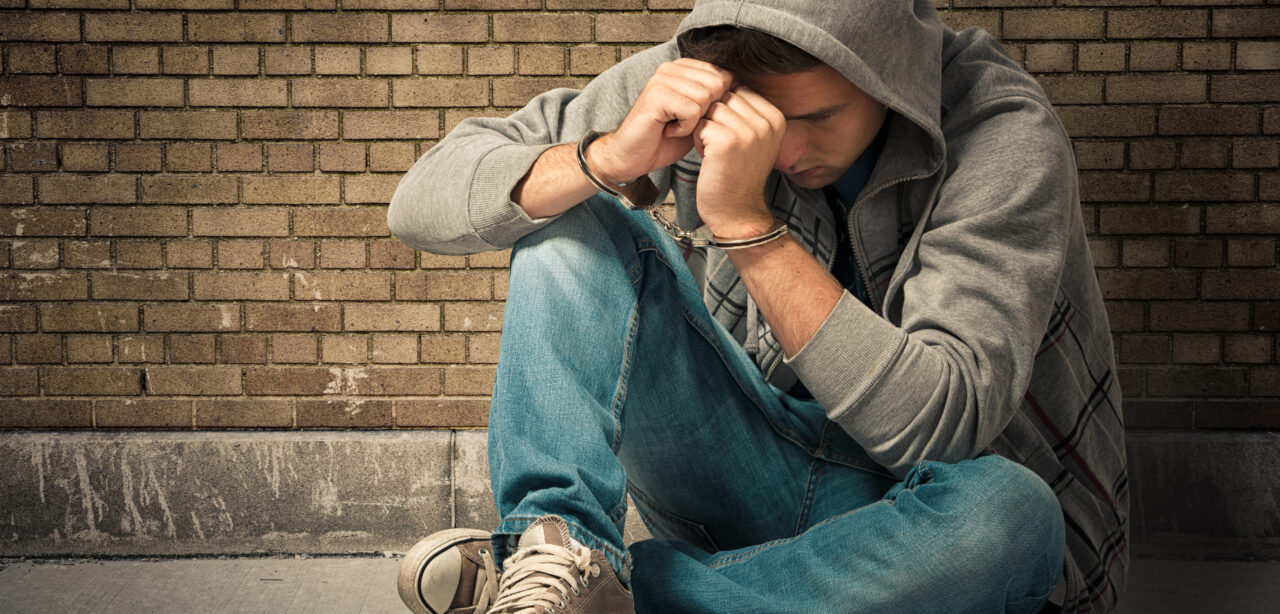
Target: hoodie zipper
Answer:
[[855, 239]]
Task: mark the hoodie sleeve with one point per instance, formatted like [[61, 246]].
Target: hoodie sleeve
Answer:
[[945, 382], [456, 199]]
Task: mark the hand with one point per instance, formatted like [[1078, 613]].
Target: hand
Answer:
[[739, 141], [658, 130]]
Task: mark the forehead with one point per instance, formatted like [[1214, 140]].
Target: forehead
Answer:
[[805, 92]]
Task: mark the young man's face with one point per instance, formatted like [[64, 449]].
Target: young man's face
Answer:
[[830, 122]]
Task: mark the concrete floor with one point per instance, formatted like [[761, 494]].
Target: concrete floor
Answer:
[[367, 584]]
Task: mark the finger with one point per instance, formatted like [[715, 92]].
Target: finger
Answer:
[[759, 125], [762, 107], [716, 80], [676, 113], [728, 117]]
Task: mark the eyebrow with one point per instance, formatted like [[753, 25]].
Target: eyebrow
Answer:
[[819, 113]]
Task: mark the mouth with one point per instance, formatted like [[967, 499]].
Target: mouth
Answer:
[[807, 173]]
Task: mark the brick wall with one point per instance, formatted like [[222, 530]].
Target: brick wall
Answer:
[[194, 192]]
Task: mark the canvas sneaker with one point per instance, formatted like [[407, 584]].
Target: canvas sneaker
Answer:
[[449, 572], [550, 572]]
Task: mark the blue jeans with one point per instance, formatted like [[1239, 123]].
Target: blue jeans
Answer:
[[613, 378]]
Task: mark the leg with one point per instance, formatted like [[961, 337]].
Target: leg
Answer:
[[983, 535]]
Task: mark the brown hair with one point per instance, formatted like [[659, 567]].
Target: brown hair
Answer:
[[745, 51]]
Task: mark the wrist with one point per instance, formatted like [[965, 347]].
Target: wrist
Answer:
[[599, 155], [743, 227]]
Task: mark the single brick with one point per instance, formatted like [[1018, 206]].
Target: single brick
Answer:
[[517, 91], [288, 60], [1196, 382], [16, 190], [290, 254], [1155, 88], [1215, 120], [372, 317], [468, 380], [290, 157], [135, 349], [89, 348], [1251, 252], [95, 381], [248, 286], [541, 60], [133, 27], [390, 255], [342, 286], [293, 349], [1244, 88], [559, 27], [1099, 154], [1246, 23], [491, 60], [85, 157], [145, 157], [1247, 348], [40, 91], [395, 349], [239, 157], [440, 92], [483, 348], [192, 348], [164, 286], [341, 221], [1153, 154], [77, 189], [193, 381], [348, 157], [1197, 349], [133, 92], [238, 92], [632, 27], [235, 27], [1204, 186], [292, 380], [1158, 23], [399, 381], [193, 317], [1072, 89], [337, 60], [388, 60], [244, 413], [443, 348], [83, 59], [84, 124], [344, 413], [1258, 55], [187, 157], [442, 413], [184, 125], [18, 318], [289, 124], [504, 5], [244, 349], [240, 221], [33, 157], [46, 413], [963, 20], [150, 221], [40, 27], [185, 60], [440, 28], [478, 316], [1249, 284], [143, 413], [43, 286], [1114, 187], [1052, 24], [135, 60], [139, 254], [87, 317], [235, 60], [1145, 253], [189, 189], [342, 254], [1199, 316], [591, 60], [290, 190], [1153, 55], [312, 92], [390, 125], [1100, 56], [291, 5], [39, 349], [87, 255], [292, 317], [32, 59], [1255, 154], [1204, 154], [1206, 55], [34, 254], [439, 60], [346, 349], [339, 28], [1197, 252], [18, 382], [370, 188], [240, 254], [1150, 220]]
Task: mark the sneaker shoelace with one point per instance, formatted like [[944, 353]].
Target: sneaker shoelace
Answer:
[[543, 578], [485, 591]]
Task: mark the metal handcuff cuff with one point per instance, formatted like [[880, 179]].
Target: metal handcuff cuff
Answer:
[[645, 191]]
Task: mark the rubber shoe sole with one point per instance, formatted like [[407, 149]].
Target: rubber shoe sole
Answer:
[[417, 565]]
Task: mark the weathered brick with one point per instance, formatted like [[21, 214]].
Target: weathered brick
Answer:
[[143, 413], [483, 348], [189, 189], [491, 60], [468, 380], [444, 348], [1244, 88], [1101, 56], [311, 92], [1145, 253], [192, 349], [1256, 154], [239, 157], [1153, 55], [238, 92], [73, 317], [1230, 284], [1155, 88], [1197, 349], [1126, 284], [631, 27], [342, 254], [34, 254], [240, 222], [378, 189], [84, 124], [390, 124], [290, 157], [348, 349], [293, 317], [341, 221], [43, 286], [148, 221], [963, 20], [1099, 155], [343, 28], [188, 157], [1053, 24], [292, 380], [1204, 186], [373, 317], [473, 316], [189, 254], [342, 157], [244, 413], [77, 189], [287, 60], [134, 92], [294, 190], [135, 349], [185, 60], [135, 157], [442, 413], [33, 157], [440, 28], [240, 254], [541, 60], [1196, 382], [89, 348], [388, 60], [163, 286], [85, 157], [337, 60], [46, 413], [216, 317], [193, 381], [591, 60], [1199, 316], [32, 59], [91, 381], [291, 5], [439, 59], [1258, 55], [390, 255], [546, 27], [1150, 220], [235, 60], [187, 124], [398, 381], [1206, 55], [500, 5], [395, 349], [135, 60], [1254, 349], [1197, 252], [342, 286], [235, 27], [440, 92], [241, 349], [289, 254], [16, 190], [293, 349], [289, 124], [1215, 120], [517, 91], [344, 413], [247, 286], [40, 91], [1202, 153], [1158, 23], [1144, 349], [1072, 89], [139, 254], [39, 349], [1108, 121], [133, 27], [1114, 187], [18, 382], [40, 27], [1246, 22]]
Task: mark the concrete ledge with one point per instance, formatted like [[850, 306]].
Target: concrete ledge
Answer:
[[1193, 494]]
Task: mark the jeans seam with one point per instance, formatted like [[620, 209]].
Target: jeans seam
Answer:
[[811, 490], [671, 516]]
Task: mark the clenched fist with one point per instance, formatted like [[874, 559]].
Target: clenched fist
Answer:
[[739, 140]]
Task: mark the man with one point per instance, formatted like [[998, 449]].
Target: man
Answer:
[[878, 377]]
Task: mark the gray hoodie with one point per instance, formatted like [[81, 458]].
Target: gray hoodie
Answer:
[[986, 331]]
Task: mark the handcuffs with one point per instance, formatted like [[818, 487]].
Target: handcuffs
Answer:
[[644, 192]]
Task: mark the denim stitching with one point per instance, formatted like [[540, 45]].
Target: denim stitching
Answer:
[[701, 530], [810, 494]]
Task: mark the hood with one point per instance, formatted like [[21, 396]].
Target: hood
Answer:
[[890, 49]]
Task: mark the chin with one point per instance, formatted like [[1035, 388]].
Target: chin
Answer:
[[815, 182]]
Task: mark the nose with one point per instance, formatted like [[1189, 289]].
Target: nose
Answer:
[[791, 150]]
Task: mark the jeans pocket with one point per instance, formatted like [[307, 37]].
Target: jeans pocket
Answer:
[[669, 525]]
